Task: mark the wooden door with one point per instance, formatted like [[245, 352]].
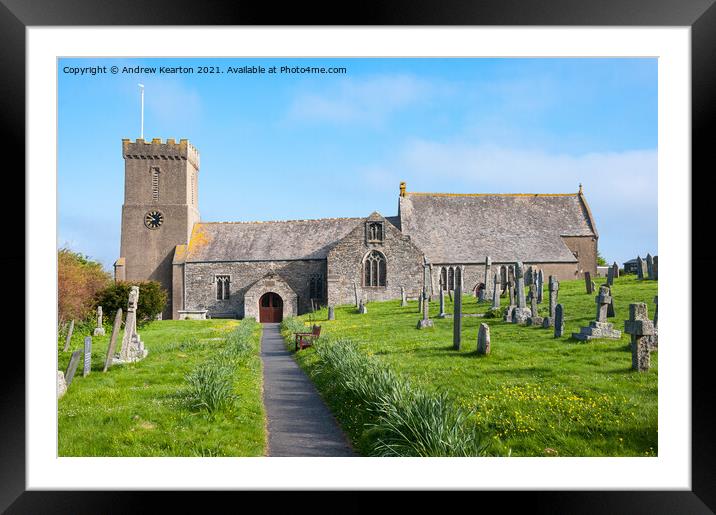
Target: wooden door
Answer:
[[270, 308]]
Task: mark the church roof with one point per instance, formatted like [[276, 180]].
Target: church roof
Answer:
[[259, 241], [465, 228]]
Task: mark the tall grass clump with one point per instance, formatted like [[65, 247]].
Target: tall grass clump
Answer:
[[405, 420]]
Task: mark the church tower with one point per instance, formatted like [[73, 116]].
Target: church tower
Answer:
[[159, 211]]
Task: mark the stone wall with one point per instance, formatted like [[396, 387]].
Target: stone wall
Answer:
[[586, 249], [201, 290], [404, 265]]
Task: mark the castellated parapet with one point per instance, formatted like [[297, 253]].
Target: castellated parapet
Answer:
[[155, 149]]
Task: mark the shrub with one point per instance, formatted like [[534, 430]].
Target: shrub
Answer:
[[494, 313], [78, 280], [152, 299], [211, 385]]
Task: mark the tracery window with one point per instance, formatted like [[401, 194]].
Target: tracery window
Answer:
[[374, 269], [222, 287]]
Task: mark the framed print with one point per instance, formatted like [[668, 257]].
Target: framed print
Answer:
[[301, 140]]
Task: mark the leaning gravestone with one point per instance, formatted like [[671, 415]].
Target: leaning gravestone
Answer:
[[483, 339], [61, 384], [640, 328], [132, 345], [69, 336], [99, 330], [72, 367], [520, 313], [599, 328], [457, 312], [113, 339], [588, 282], [558, 321], [331, 313], [88, 356]]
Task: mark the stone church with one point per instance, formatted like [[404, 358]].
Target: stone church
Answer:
[[269, 270]]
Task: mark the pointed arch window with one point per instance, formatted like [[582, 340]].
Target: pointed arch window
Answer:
[[374, 269], [155, 183], [451, 278], [443, 278]]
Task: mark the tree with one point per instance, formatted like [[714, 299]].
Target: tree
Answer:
[[152, 299], [600, 260], [78, 280]]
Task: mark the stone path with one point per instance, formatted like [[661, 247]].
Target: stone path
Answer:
[[299, 423]]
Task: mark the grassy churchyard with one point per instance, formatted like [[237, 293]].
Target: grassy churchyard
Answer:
[[534, 395], [197, 393]]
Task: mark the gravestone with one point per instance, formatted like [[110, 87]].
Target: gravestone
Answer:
[[650, 267], [641, 271], [483, 339], [61, 384], [72, 367], [610, 308], [99, 330], [511, 291], [457, 312], [610, 276], [331, 313], [615, 267], [362, 309], [355, 294], [588, 282], [553, 287], [425, 321], [534, 318], [640, 328], [487, 291], [656, 267], [88, 356], [520, 314], [599, 328], [496, 291], [420, 303], [403, 298], [558, 321], [113, 339], [540, 286], [132, 345], [509, 310], [69, 336], [442, 304], [656, 312]]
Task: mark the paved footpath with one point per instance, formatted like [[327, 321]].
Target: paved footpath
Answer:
[[299, 423]]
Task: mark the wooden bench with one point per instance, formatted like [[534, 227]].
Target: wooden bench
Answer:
[[304, 340]]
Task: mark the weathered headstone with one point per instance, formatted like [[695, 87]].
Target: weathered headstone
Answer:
[[534, 318], [540, 285], [442, 304], [331, 313], [599, 328], [650, 267], [457, 312], [99, 330], [656, 311], [420, 303], [69, 336], [113, 339], [496, 291], [362, 309], [403, 298], [61, 384], [425, 320], [355, 293], [610, 308], [558, 321], [610, 276], [553, 287], [588, 282], [72, 367], [640, 328], [656, 267], [511, 291], [88, 356], [483, 339], [132, 345], [615, 267], [520, 314], [641, 271], [487, 292]]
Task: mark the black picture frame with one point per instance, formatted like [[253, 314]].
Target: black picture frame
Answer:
[[699, 15]]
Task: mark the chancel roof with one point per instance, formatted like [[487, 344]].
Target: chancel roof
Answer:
[[465, 228]]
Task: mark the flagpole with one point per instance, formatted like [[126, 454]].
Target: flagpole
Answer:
[[142, 115]]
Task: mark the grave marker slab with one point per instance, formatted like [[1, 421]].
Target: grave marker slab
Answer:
[[331, 313], [442, 304], [99, 330], [599, 328], [457, 312], [403, 298], [72, 367], [88, 356], [496, 287], [650, 267], [588, 282], [558, 321], [483, 339], [540, 286]]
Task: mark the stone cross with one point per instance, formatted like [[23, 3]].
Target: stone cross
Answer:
[[113, 339], [603, 300], [650, 267], [640, 328], [72, 367], [588, 282], [69, 336], [483, 339], [599, 328], [331, 313], [442, 304], [488, 286], [457, 311], [540, 285], [99, 330], [132, 345], [558, 321], [403, 298], [88, 356], [496, 291]]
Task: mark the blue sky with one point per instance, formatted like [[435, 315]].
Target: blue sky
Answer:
[[293, 146]]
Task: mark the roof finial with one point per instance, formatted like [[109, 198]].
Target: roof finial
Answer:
[[402, 189], [580, 188]]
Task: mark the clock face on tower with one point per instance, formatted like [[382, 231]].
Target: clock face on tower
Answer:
[[153, 219]]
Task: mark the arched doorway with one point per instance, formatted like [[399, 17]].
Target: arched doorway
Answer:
[[270, 308]]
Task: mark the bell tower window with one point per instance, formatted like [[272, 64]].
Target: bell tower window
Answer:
[[155, 184], [374, 232]]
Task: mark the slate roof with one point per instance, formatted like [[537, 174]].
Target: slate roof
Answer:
[[457, 228], [257, 241]]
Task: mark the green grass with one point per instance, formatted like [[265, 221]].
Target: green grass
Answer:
[[534, 395], [152, 407]]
